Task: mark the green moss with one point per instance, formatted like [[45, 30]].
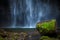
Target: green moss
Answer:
[[58, 36], [1, 38], [46, 26], [45, 38]]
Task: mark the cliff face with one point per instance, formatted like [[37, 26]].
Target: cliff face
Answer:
[[5, 15]]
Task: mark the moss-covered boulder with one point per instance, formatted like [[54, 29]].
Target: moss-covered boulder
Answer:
[[1, 38], [46, 26], [48, 38], [45, 38]]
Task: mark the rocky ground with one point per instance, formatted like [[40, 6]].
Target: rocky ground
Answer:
[[21, 35], [28, 35]]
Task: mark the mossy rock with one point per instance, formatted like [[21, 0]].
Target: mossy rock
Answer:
[[46, 26], [58, 36], [47, 38], [1, 38]]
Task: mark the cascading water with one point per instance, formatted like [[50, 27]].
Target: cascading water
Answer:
[[34, 13], [30, 9], [13, 13]]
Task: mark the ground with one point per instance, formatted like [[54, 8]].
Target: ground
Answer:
[[21, 35]]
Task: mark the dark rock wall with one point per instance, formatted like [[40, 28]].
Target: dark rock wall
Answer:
[[4, 13]]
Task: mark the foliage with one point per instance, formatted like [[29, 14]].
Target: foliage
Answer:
[[47, 26]]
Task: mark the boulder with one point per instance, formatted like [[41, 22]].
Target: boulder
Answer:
[[47, 27]]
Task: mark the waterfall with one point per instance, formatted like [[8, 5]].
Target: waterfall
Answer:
[[13, 13], [34, 13], [30, 14]]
